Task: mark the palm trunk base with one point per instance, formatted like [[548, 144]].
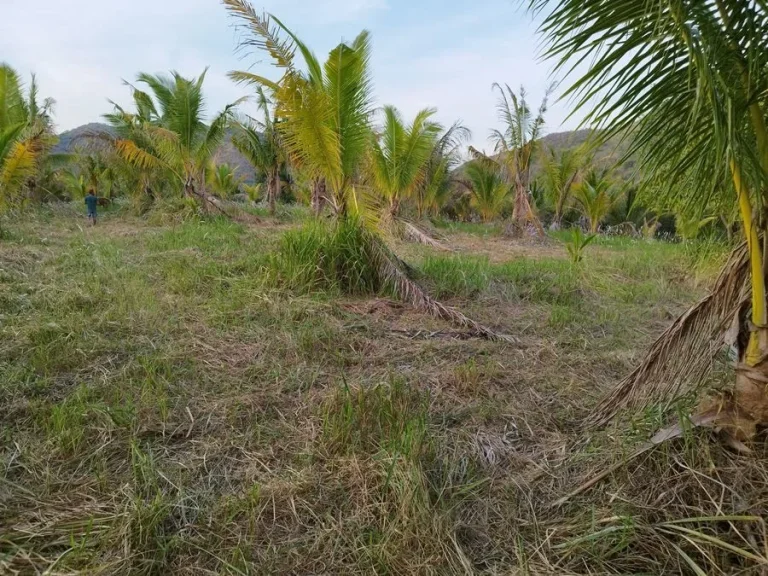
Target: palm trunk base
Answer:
[[750, 399], [523, 218]]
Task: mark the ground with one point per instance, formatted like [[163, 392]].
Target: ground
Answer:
[[169, 404]]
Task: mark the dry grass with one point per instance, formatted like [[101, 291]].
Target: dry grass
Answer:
[[169, 407]]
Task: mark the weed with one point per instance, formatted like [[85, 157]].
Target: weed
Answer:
[[577, 243], [169, 404]]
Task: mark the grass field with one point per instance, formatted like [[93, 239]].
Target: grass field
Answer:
[[177, 398]]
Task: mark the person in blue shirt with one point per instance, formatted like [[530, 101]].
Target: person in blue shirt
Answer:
[[91, 201]]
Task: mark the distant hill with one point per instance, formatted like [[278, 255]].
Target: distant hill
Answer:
[[606, 155], [226, 154]]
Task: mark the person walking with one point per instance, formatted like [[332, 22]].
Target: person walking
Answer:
[[91, 201]]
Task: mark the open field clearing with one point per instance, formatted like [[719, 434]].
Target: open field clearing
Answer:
[[179, 397]]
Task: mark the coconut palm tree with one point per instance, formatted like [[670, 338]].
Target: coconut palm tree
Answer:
[[168, 131], [222, 180], [595, 196], [489, 189], [689, 80], [434, 189], [515, 145], [259, 141], [400, 154], [560, 171], [26, 135], [325, 109], [325, 125]]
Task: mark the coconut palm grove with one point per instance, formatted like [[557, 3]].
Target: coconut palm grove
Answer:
[[307, 332]]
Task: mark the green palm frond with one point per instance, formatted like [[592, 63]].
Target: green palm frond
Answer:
[[596, 197], [12, 108], [489, 189], [400, 153], [216, 133], [683, 78], [264, 35], [19, 164], [8, 138], [349, 87]]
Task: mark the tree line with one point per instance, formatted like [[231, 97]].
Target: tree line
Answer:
[[317, 139]]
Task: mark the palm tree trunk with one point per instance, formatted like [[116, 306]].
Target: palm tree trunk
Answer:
[[394, 208], [522, 212], [318, 195], [273, 189], [751, 393]]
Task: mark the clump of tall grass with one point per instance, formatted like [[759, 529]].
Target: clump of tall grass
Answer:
[[331, 257]]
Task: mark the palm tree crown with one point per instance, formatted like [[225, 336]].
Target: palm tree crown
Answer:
[[325, 110], [400, 154]]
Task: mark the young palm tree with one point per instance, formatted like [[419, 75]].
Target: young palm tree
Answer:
[[400, 154], [259, 141], [560, 172], [168, 132], [325, 109], [689, 80], [489, 189], [222, 180], [26, 134], [595, 197], [435, 187], [325, 128], [515, 146]]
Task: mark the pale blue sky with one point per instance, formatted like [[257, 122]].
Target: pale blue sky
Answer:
[[443, 54]]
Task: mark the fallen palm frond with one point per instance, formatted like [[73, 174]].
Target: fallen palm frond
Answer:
[[413, 233], [238, 214], [392, 273], [683, 354]]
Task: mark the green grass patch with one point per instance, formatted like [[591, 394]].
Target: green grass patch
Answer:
[[461, 276]]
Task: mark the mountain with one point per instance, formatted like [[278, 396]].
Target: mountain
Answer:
[[226, 154], [606, 156]]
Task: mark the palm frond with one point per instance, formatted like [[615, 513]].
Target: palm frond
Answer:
[[391, 271], [12, 108], [683, 354], [20, 163]]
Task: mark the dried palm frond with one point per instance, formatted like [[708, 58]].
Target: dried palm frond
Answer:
[[391, 270], [683, 354], [413, 233]]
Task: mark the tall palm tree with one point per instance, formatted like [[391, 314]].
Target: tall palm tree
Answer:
[[489, 189], [400, 154], [515, 145], [595, 196], [689, 80], [168, 131], [259, 141], [26, 134], [435, 187], [560, 171], [325, 110]]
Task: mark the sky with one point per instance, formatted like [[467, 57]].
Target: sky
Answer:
[[444, 54]]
